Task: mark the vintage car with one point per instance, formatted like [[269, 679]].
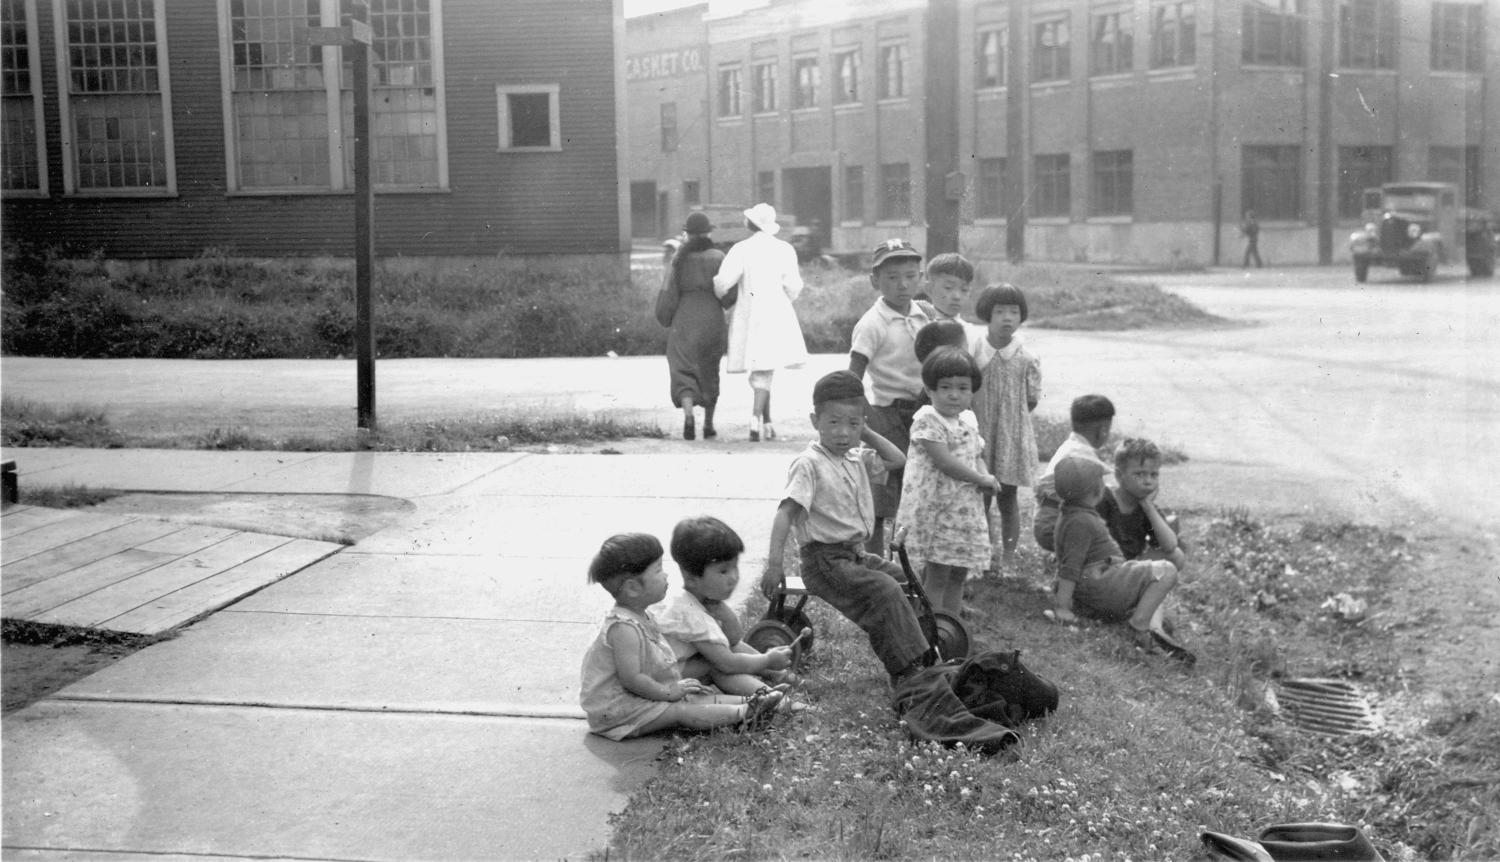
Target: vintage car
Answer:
[[1416, 226]]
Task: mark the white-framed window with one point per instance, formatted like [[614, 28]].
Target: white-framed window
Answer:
[[1051, 49], [806, 80], [846, 72], [730, 88], [114, 98], [1112, 42], [289, 104], [528, 118], [23, 150], [1174, 34], [989, 58], [763, 87], [892, 71]]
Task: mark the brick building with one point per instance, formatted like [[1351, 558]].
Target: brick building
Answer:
[[160, 128], [1099, 130]]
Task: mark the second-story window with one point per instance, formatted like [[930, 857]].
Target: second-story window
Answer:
[[1174, 34], [21, 153], [892, 71], [1050, 50], [1457, 37], [807, 78], [1271, 32], [668, 127], [764, 87], [1367, 34], [989, 59], [1112, 45], [730, 88], [846, 69]]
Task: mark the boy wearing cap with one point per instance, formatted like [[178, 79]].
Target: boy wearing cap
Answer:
[[884, 345], [1093, 574], [1092, 417]]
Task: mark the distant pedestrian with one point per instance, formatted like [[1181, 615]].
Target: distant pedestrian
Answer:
[[631, 685], [764, 334], [697, 340], [1250, 229]]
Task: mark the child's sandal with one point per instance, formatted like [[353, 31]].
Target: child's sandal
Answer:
[[761, 708]]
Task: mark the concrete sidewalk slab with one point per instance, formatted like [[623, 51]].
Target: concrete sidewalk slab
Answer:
[[681, 476], [407, 664], [276, 783], [394, 474]]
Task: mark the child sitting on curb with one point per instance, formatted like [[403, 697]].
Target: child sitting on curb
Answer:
[[1141, 529], [704, 631], [630, 684], [1093, 574]]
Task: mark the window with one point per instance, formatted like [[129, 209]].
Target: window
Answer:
[[1271, 181], [1050, 52], [765, 183], [895, 192], [691, 194], [668, 127], [763, 78], [730, 87], [808, 77], [1053, 196], [1112, 47], [528, 118], [846, 67], [854, 193], [990, 189], [1112, 190], [892, 71], [292, 103], [1174, 34], [115, 101], [1457, 37], [1361, 168], [1457, 165], [22, 152], [989, 59], [1271, 32], [1367, 34]]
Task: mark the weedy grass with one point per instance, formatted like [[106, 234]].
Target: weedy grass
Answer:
[[1142, 754], [28, 423], [219, 306], [65, 496]]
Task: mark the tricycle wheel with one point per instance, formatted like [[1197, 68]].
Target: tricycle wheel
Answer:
[[952, 639], [769, 634]]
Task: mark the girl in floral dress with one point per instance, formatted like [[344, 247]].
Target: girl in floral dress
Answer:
[[1012, 387], [942, 508]]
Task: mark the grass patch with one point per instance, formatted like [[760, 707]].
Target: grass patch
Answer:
[[1142, 754], [218, 306], [66, 496], [26, 423]]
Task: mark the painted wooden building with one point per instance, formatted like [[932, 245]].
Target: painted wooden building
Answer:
[[160, 128]]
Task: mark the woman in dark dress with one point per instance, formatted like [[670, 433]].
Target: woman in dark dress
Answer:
[[697, 339]]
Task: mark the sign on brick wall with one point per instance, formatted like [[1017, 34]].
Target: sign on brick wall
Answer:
[[664, 64]]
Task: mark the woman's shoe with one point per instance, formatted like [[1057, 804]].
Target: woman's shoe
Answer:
[[688, 430]]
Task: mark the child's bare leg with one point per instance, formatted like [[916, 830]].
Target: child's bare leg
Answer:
[[742, 684], [695, 716], [945, 586], [1151, 601], [1010, 519]]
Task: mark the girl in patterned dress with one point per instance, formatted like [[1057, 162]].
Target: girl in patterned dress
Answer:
[[631, 685], [942, 508], [1012, 387]]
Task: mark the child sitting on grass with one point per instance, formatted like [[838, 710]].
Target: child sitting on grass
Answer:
[[827, 504], [1135, 522], [1094, 575], [702, 628], [630, 684], [1092, 417]]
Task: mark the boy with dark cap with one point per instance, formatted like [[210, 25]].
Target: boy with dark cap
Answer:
[[883, 345], [828, 507]]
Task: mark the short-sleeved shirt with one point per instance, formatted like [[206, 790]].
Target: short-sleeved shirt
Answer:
[[834, 493], [1075, 446], [888, 339], [1082, 542], [686, 622], [1131, 530]]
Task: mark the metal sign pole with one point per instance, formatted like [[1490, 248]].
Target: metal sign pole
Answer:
[[364, 224]]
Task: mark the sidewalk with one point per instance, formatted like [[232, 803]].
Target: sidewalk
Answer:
[[413, 696]]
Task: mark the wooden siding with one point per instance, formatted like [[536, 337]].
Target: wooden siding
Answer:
[[510, 203]]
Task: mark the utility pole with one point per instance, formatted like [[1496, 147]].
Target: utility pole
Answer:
[[1325, 182], [1014, 193], [364, 221], [944, 183]]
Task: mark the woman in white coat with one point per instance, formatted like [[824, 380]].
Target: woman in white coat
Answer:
[[764, 334]]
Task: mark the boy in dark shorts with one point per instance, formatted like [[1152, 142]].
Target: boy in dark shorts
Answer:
[[828, 507]]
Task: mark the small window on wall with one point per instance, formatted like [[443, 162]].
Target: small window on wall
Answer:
[[669, 127], [529, 118], [854, 193], [1053, 194], [1112, 43], [730, 89], [892, 71], [691, 195], [895, 192], [1272, 32], [1361, 168], [22, 156], [1113, 187], [1367, 34], [764, 87], [1271, 181], [1051, 48], [808, 77], [989, 59], [1173, 34], [846, 70], [990, 189], [1458, 37], [765, 185]]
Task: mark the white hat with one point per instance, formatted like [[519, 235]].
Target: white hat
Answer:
[[763, 216]]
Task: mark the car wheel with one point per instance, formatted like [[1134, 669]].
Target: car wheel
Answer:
[[1361, 269]]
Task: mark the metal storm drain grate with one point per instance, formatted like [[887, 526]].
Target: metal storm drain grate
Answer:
[[1331, 707]]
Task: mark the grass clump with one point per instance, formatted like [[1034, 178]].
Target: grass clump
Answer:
[[28, 423], [66, 496], [1141, 756]]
